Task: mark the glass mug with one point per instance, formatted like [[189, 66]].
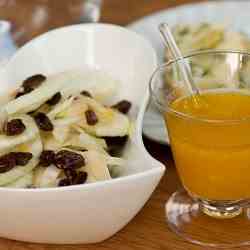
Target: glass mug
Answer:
[[210, 140]]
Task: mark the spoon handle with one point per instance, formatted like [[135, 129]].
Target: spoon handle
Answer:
[[183, 65]]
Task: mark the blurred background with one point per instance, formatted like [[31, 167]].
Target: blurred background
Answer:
[[30, 18]]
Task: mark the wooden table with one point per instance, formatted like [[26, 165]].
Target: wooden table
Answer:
[[148, 230]]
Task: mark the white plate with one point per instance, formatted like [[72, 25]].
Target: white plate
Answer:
[[91, 212], [231, 13]]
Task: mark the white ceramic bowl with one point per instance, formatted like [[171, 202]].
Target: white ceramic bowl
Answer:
[[92, 212]]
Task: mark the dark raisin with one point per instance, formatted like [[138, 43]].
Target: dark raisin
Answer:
[[86, 93], [24, 91], [7, 162], [54, 99], [64, 183], [21, 158], [27, 90], [123, 106], [71, 174], [91, 117], [47, 158], [81, 178], [19, 94], [14, 127], [33, 82], [67, 159], [43, 122]]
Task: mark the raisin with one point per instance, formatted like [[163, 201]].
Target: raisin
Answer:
[[54, 99], [86, 93], [91, 117], [71, 175], [47, 158], [81, 178], [14, 127], [64, 183], [23, 92], [30, 84], [21, 158], [33, 82], [123, 106], [43, 122], [7, 162], [19, 94], [65, 159]]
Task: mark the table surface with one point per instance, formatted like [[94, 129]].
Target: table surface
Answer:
[[148, 230]]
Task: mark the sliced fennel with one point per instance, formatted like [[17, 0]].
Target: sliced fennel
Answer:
[[31, 131], [61, 133], [40, 95], [35, 147], [110, 121], [22, 182], [66, 121], [118, 126], [84, 140], [115, 161], [60, 107], [49, 142], [47, 177], [96, 166]]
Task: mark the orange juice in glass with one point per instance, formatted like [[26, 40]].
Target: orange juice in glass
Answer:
[[210, 139], [211, 144]]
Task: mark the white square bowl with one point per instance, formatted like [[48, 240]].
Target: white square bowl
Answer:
[[92, 212]]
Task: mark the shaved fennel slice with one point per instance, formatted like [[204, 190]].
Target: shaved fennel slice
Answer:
[[115, 161], [48, 177], [30, 132], [35, 147], [66, 121], [22, 182], [100, 84], [110, 122], [61, 133], [91, 179], [49, 143], [118, 125], [114, 165], [86, 141], [37, 97], [77, 108], [96, 166], [38, 171], [60, 107]]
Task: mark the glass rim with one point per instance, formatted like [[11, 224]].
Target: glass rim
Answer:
[[181, 114]]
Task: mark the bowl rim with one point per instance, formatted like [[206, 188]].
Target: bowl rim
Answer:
[[138, 120], [87, 26]]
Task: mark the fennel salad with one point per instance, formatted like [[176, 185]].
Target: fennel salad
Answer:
[[58, 130]]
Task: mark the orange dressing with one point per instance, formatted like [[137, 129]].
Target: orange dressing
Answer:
[[211, 144]]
